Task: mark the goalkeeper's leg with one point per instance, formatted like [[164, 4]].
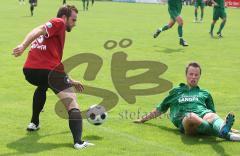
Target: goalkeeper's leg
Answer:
[[193, 124], [165, 27]]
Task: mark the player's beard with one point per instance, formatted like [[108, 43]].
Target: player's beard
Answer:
[[68, 28]]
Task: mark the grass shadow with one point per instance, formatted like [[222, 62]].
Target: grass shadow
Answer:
[[195, 140], [206, 140], [27, 16], [92, 137], [29, 144], [174, 130], [169, 50]]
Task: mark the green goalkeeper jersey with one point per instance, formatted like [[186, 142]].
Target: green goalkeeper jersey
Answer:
[[182, 100]]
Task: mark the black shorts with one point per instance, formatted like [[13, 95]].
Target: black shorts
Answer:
[[57, 81], [33, 2]]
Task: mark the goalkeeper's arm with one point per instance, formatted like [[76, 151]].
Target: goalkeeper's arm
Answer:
[[153, 114]]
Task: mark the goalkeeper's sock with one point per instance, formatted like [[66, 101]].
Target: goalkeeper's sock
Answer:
[[204, 128], [221, 127], [180, 31], [212, 27], [221, 27], [166, 27], [195, 15]]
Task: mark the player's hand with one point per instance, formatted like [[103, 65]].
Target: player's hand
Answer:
[[18, 50], [139, 121], [77, 85]]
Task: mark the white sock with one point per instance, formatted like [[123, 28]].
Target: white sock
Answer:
[[234, 137]]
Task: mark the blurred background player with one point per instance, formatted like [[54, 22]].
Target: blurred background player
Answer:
[[218, 12], [174, 10], [85, 4], [201, 4], [33, 3], [21, 2], [188, 2], [64, 2]]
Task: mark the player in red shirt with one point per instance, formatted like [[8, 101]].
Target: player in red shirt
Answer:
[[43, 68]]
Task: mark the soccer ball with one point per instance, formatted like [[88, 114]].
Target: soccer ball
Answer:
[[96, 114]]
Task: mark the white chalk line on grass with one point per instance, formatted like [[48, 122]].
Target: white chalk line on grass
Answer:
[[142, 141]]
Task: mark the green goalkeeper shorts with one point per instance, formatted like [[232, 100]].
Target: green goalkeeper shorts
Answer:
[[174, 9], [219, 12]]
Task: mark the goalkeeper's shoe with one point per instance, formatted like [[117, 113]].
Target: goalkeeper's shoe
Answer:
[[226, 128], [183, 43], [219, 35], [155, 35], [233, 136], [33, 127], [195, 20]]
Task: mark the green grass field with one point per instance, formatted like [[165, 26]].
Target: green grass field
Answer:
[[118, 136]]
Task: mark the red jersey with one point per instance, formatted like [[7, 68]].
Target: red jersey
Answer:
[[46, 51]]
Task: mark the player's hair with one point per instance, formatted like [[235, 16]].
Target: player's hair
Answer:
[[193, 64], [66, 10]]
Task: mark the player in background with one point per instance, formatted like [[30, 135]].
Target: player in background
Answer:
[[33, 3], [174, 10], [85, 4], [218, 12], [201, 4]]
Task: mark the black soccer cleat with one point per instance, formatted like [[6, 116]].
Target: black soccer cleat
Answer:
[[219, 35], [183, 43], [155, 35]]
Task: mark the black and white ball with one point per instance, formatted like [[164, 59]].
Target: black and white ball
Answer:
[[96, 115]]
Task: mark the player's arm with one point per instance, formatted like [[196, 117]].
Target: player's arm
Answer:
[[31, 36], [210, 103], [159, 110], [153, 114]]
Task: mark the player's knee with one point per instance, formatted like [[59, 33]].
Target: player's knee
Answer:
[[210, 117], [74, 114], [191, 117], [190, 127], [73, 96], [180, 23], [179, 20]]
